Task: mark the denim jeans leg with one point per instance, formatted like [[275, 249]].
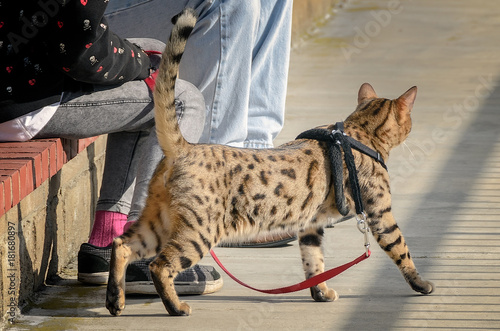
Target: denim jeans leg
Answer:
[[243, 74], [270, 62], [119, 176]]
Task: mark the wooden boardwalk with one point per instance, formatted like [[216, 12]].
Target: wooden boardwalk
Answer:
[[445, 183]]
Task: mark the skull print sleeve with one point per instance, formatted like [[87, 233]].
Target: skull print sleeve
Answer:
[[51, 46], [81, 45]]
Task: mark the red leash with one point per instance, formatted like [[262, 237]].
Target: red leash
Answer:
[[302, 285], [313, 281], [150, 81]]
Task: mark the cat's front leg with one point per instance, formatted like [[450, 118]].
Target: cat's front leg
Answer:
[[391, 240], [313, 262], [115, 293]]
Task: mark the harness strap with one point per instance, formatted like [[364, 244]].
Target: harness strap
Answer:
[[361, 147], [336, 140], [313, 281], [325, 135]]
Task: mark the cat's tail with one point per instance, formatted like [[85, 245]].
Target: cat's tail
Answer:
[[167, 128]]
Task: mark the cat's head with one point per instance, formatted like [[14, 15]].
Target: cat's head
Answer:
[[386, 121]]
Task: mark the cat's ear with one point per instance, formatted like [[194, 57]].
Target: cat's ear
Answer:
[[406, 100], [366, 92]]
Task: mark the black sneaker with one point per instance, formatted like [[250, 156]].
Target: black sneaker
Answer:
[[93, 264], [93, 268]]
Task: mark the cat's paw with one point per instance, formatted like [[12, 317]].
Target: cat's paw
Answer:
[[185, 309], [182, 310], [428, 288], [327, 295], [422, 286], [115, 302]]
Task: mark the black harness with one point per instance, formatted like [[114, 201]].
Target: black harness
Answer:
[[337, 140]]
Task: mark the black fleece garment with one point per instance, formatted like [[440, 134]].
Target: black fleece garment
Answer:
[[48, 46]]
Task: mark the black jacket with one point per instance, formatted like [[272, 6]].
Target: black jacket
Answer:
[[48, 46]]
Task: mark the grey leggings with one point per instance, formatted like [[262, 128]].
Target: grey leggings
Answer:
[[125, 112]]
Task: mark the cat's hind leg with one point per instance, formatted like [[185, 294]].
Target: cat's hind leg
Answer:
[[310, 240], [163, 269], [184, 249]]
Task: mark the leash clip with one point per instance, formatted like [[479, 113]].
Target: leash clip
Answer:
[[364, 229]]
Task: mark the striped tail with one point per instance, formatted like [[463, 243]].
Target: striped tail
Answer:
[[167, 129]]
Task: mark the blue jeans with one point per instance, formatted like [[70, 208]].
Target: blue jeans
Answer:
[[237, 57]]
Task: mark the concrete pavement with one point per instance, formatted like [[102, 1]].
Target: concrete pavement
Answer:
[[445, 184]]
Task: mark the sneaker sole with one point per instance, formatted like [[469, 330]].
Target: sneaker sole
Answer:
[[270, 244], [198, 289], [95, 278], [147, 287]]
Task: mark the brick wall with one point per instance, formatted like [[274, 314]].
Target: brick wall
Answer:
[[48, 191]]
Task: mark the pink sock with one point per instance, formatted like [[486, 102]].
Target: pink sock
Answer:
[[107, 225], [127, 225]]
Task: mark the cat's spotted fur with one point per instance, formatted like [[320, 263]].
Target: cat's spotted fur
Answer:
[[202, 194]]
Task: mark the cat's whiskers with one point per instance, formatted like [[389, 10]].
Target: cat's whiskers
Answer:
[[409, 149]]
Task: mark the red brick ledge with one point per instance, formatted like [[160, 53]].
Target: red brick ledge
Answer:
[[24, 166]]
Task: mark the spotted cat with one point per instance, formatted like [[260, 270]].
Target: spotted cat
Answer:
[[202, 194]]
